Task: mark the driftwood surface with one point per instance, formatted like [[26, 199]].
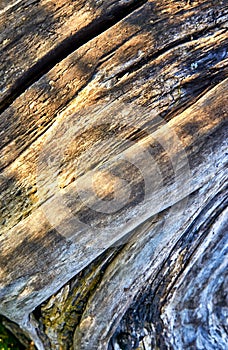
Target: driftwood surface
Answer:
[[113, 141]]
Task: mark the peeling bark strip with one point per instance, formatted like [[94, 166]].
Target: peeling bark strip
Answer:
[[113, 183]]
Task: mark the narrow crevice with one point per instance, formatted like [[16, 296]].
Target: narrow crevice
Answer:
[[170, 46], [136, 67], [136, 319], [190, 236], [66, 47], [193, 248]]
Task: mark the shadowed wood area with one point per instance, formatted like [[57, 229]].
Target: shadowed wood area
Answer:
[[113, 202]]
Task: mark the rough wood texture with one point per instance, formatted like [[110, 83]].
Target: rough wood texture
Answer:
[[113, 183], [42, 33]]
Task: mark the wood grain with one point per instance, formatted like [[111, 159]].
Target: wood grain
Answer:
[[42, 33], [113, 135]]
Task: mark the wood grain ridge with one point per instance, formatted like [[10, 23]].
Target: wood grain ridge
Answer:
[[70, 247], [42, 33]]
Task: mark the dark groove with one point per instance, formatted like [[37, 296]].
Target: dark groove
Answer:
[[189, 236], [134, 68], [136, 317], [66, 47], [173, 45]]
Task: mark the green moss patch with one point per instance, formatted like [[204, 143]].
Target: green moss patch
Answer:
[[7, 339]]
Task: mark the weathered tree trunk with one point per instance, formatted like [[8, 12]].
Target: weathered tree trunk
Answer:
[[113, 184]]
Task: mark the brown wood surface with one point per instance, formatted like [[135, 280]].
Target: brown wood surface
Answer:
[[113, 140]]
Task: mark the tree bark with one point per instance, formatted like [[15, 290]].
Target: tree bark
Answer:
[[112, 171]]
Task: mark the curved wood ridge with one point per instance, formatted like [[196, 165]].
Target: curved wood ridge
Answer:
[[113, 140]]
